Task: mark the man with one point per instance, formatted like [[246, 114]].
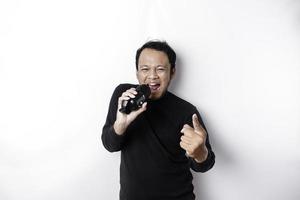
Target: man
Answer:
[[160, 141]]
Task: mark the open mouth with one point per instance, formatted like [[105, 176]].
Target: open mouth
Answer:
[[154, 86]]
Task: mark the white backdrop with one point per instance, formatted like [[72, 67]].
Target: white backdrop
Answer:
[[238, 62]]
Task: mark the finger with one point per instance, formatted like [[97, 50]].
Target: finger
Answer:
[[184, 146], [135, 113], [185, 128], [197, 126], [144, 106], [196, 123], [186, 139], [142, 109], [189, 133], [132, 91], [187, 153], [187, 149], [128, 94], [121, 99]]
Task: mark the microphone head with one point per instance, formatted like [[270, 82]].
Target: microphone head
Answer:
[[144, 89], [143, 93]]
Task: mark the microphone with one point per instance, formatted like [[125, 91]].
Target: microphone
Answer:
[[143, 93]]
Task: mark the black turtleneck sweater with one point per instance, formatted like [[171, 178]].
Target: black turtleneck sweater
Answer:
[[153, 165]]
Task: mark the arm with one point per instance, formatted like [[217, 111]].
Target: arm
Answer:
[[208, 163], [114, 130], [110, 139], [195, 141]]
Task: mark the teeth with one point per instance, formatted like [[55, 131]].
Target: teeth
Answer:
[[154, 86]]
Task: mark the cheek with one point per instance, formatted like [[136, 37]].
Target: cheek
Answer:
[[165, 79], [141, 78]]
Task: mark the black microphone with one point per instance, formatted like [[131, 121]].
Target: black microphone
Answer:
[[143, 93]]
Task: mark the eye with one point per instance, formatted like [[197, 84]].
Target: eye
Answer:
[[144, 69], [161, 69]]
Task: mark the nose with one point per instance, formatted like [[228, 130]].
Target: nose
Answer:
[[153, 74]]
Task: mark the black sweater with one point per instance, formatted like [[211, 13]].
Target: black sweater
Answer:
[[153, 165]]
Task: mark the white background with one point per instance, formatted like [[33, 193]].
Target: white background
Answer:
[[60, 60]]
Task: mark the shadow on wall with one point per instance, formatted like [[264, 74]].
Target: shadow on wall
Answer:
[[223, 156], [221, 151], [177, 80]]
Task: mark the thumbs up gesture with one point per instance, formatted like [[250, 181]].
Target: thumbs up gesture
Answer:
[[193, 140]]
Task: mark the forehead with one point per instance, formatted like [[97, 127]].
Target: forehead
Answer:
[[153, 57]]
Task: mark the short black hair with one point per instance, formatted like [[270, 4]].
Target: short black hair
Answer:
[[159, 46]]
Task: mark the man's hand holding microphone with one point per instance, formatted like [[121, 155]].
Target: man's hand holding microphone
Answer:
[[131, 103]]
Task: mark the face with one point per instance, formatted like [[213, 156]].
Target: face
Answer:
[[154, 69]]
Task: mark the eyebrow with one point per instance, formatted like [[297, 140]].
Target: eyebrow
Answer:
[[164, 66]]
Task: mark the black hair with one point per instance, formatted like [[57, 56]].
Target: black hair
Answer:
[[159, 46]]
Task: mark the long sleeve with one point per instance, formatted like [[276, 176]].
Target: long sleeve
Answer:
[[210, 160], [153, 165], [111, 141], [207, 164]]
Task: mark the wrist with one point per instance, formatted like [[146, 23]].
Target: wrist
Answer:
[[119, 128], [202, 157]]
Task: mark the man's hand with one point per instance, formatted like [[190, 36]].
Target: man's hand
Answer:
[[193, 140], [123, 120]]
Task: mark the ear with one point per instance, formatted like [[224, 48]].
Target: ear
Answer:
[[173, 72]]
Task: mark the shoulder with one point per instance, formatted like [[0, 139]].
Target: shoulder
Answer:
[[123, 87], [120, 89]]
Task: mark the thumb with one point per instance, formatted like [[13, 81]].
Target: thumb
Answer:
[[142, 109], [196, 123]]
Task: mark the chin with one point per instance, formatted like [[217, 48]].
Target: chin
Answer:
[[156, 96], [153, 97]]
